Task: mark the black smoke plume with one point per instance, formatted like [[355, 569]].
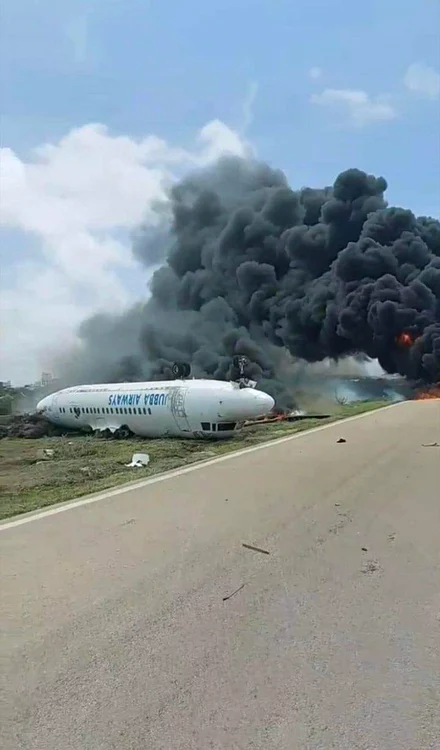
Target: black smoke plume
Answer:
[[256, 268]]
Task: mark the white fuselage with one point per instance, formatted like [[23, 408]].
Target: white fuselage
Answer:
[[178, 408]]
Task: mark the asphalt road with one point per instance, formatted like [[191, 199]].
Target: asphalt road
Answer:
[[116, 634]]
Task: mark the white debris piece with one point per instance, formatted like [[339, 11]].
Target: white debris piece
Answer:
[[44, 454], [139, 459]]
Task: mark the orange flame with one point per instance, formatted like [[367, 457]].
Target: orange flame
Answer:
[[272, 418], [430, 393], [405, 339]]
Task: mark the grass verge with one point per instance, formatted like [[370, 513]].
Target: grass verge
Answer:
[[82, 465]]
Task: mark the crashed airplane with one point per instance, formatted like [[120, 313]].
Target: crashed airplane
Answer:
[[189, 408]]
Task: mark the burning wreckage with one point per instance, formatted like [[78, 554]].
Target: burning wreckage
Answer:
[[353, 389], [282, 276]]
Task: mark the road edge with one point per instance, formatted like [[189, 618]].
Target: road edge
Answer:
[[36, 515]]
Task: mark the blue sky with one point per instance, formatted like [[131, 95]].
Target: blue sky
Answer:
[[315, 87]]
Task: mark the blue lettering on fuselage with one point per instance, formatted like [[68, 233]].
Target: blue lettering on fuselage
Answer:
[[134, 399]]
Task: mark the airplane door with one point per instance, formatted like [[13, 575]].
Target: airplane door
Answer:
[[178, 409], [53, 408], [75, 409]]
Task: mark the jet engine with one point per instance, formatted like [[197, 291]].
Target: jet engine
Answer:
[[181, 370]]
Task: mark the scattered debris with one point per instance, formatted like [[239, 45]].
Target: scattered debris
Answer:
[[430, 445], [391, 537], [225, 598], [344, 518], [35, 426], [138, 460], [256, 549], [226, 499], [293, 416], [337, 505], [44, 454], [372, 566], [364, 549], [31, 426], [341, 440]]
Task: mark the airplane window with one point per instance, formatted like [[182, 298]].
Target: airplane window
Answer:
[[225, 426], [149, 411], [206, 426], [111, 411], [125, 411], [144, 410], [129, 411], [83, 410]]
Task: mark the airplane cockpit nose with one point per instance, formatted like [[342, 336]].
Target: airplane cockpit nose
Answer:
[[257, 403], [267, 402], [41, 406]]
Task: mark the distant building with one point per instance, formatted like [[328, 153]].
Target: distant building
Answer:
[[46, 378]]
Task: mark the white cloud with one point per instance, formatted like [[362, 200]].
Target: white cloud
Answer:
[[360, 108], [78, 197], [315, 72], [423, 80]]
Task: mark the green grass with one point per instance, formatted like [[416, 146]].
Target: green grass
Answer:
[[82, 465]]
